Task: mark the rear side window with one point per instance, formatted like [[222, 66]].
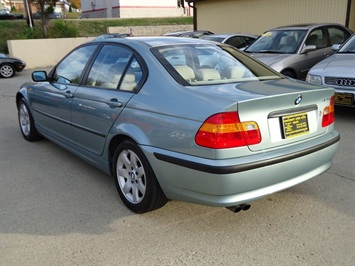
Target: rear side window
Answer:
[[337, 35], [70, 69], [115, 67], [237, 42]]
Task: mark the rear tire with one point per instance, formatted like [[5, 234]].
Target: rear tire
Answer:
[[135, 180], [26, 122], [7, 71]]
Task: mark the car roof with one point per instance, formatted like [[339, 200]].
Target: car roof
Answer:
[[186, 32], [305, 26], [226, 35], [155, 41]]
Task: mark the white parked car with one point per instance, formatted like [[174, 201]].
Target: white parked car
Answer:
[[338, 72]]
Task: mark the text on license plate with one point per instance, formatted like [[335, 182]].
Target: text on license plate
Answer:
[[343, 98], [295, 125]]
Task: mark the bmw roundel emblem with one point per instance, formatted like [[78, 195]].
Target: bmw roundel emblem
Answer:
[[298, 100]]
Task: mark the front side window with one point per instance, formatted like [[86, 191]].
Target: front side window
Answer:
[[210, 64], [115, 67], [317, 38], [70, 69]]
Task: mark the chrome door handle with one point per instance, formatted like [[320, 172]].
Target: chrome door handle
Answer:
[[68, 94], [113, 103]]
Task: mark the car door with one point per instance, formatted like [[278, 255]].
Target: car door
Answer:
[[110, 84], [52, 101], [319, 39]]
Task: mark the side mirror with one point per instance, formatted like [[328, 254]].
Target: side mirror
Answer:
[[39, 76], [308, 48], [336, 47]]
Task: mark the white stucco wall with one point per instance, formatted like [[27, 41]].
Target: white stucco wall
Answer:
[[130, 8], [43, 52]]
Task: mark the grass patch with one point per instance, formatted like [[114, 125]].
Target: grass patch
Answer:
[[10, 30]]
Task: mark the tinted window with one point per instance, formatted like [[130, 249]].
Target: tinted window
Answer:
[[237, 42], [249, 40], [71, 68], [115, 67]]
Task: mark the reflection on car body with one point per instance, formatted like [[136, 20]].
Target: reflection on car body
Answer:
[[213, 132]]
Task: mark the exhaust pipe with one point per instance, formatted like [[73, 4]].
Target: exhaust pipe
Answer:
[[238, 208]]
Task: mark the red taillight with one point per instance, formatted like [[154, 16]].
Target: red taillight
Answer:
[[328, 113], [224, 130]]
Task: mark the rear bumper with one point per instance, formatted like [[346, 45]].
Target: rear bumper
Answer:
[[240, 180], [230, 169]]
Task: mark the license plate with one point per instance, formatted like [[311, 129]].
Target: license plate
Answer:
[[295, 125], [343, 98]]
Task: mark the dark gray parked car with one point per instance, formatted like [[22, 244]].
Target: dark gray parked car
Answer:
[[293, 50], [148, 111], [54, 15]]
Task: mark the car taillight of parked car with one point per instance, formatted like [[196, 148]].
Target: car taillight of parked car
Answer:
[[225, 130]]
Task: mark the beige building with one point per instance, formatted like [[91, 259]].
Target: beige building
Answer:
[[257, 16]]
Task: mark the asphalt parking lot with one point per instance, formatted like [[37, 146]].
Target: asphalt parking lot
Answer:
[[56, 209]]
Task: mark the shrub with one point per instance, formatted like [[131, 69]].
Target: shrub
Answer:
[[62, 29]]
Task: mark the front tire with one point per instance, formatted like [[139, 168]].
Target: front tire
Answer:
[[135, 180], [7, 71], [26, 122]]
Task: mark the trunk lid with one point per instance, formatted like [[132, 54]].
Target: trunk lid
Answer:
[[286, 114]]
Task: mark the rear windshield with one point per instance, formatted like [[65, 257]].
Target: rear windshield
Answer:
[[202, 64]]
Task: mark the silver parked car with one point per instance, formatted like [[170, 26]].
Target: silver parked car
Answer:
[[148, 111], [294, 50], [338, 72], [238, 40]]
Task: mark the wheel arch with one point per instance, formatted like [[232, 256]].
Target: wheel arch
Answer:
[[121, 132], [19, 96], [290, 70]]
